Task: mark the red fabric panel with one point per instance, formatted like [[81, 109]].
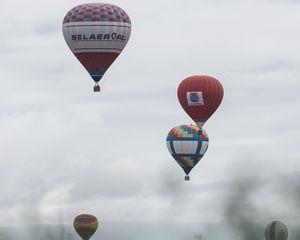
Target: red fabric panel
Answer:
[[101, 60]]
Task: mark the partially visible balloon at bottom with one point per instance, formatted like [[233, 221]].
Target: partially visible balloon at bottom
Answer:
[[276, 230], [85, 225]]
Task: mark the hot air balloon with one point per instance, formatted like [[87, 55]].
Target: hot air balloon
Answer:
[[200, 96], [276, 230], [85, 225], [96, 33], [187, 145]]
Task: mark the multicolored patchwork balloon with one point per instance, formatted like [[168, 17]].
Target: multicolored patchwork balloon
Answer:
[[276, 230], [96, 33], [85, 225], [200, 96], [187, 145]]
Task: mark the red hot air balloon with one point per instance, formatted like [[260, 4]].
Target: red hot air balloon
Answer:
[[200, 96]]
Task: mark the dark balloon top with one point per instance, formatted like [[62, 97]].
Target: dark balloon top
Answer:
[[85, 225]]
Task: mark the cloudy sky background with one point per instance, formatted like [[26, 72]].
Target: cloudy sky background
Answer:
[[66, 150]]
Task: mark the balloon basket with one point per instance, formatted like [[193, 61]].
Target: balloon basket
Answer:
[[96, 88], [187, 178]]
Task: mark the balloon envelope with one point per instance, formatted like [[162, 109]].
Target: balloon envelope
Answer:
[[187, 145], [85, 225], [96, 33], [200, 96], [276, 230]]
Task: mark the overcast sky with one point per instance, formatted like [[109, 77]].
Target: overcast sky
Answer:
[[66, 150]]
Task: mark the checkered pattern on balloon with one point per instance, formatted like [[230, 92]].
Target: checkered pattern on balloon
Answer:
[[96, 53], [187, 144]]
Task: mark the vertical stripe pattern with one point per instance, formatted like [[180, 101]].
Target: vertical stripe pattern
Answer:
[[276, 230]]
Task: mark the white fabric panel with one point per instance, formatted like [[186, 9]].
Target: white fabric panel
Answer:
[[117, 36], [203, 147], [185, 147], [169, 147], [178, 146]]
